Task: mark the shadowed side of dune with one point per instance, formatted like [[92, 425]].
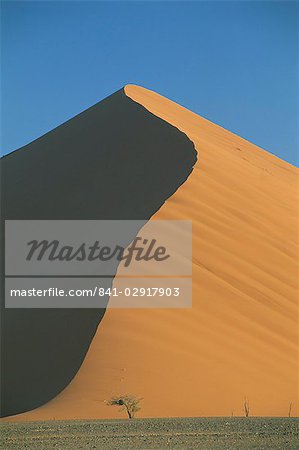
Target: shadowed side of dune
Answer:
[[115, 160]]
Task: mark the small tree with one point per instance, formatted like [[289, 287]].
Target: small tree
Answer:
[[128, 403], [246, 407], [290, 409]]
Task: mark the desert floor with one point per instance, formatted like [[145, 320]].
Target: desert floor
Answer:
[[181, 433]]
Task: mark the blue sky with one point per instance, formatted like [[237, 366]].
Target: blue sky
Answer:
[[235, 63]]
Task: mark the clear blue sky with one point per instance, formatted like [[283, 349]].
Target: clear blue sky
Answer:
[[236, 63]]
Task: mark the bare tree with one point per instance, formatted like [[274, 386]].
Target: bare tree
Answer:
[[128, 403], [246, 407], [290, 409]]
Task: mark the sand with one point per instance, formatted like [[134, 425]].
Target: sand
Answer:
[[90, 167], [241, 336]]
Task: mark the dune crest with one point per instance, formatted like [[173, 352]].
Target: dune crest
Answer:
[[240, 339]]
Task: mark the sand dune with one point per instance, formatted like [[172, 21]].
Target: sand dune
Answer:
[[87, 168], [241, 336]]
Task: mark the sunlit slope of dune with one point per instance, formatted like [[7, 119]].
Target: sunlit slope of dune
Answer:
[[241, 336]]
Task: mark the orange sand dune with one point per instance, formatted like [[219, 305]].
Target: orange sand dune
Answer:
[[241, 336]]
